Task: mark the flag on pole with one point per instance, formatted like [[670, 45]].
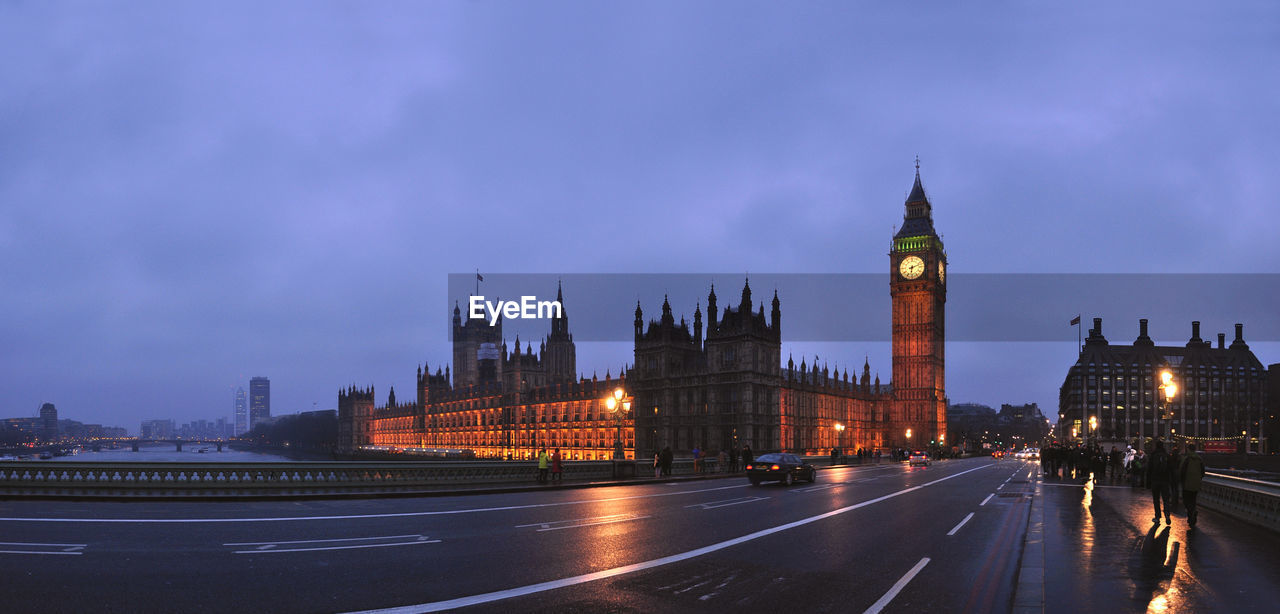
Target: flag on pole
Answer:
[[1075, 320], [480, 277]]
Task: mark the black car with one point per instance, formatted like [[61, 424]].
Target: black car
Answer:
[[783, 467]]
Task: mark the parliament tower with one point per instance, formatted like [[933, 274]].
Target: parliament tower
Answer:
[[917, 272]]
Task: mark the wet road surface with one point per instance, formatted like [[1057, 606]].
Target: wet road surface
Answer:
[[1104, 554]]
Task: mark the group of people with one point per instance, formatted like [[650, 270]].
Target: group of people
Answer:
[[838, 455], [554, 462], [727, 460], [1171, 475]]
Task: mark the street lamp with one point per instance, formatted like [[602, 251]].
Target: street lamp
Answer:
[[1093, 428], [840, 437], [1169, 388], [619, 407]]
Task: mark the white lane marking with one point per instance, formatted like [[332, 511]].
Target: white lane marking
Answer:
[[581, 522], [727, 502], [1000, 487], [957, 527], [324, 541], [817, 487], [984, 501], [35, 544], [271, 547], [530, 589], [35, 552], [387, 515], [897, 588], [65, 548], [352, 547]]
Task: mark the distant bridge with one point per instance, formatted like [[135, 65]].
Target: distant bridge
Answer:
[[137, 442]]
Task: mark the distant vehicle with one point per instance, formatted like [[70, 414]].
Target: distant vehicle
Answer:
[[780, 467], [918, 458], [998, 454]]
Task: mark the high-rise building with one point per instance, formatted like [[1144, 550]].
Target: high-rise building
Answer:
[[48, 422], [242, 413], [259, 400]]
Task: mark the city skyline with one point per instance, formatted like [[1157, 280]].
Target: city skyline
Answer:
[[336, 175]]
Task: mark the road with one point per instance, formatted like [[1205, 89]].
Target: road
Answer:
[[940, 538]]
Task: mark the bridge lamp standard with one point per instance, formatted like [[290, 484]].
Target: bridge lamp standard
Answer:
[[1093, 428], [616, 404], [839, 438], [1169, 389]]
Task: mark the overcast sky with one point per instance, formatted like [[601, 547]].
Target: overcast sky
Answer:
[[192, 194]]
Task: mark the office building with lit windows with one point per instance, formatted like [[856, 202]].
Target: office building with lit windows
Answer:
[[1112, 392]]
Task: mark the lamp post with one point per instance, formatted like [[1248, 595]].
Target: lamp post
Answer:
[[1093, 430], [616, 404], [1168, 389], [840, 438]]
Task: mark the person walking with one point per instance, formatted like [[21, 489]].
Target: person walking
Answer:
[[666, 461], [722, 460], [697, 459], [733, 459], [1159, 476], [1175, 485], [1192, 474], [746, 455], [657, 464], [557, 468], [542, 466]]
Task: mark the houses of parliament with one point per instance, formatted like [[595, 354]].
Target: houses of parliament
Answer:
[[718, 384]]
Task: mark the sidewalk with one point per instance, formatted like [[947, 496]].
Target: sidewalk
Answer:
[[1101, 552]]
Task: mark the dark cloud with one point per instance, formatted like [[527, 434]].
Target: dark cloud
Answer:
[[194, 194]]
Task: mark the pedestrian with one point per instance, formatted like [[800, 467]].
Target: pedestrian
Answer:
[[542, 466], [835, 455], [733, 459], [1159, 475], [746, 454], [1191, 474], [657, 464], [1175, 486], [557, 468], [666, 461], [697, 459], [723, 460]]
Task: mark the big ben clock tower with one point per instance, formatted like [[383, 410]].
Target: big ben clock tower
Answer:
[[918, 273]]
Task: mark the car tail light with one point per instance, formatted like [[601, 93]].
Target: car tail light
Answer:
[[775, 468], [749, 467]]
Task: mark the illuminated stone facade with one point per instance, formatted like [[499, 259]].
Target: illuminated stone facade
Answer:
[[728, 388]]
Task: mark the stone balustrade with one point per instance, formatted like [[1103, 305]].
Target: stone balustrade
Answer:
[[1250, 500]]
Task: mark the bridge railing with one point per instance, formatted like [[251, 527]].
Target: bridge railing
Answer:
[[315, 478], [1251, 500]]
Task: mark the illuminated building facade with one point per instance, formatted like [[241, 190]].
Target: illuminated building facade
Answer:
[[1220, 398], [727, 388]]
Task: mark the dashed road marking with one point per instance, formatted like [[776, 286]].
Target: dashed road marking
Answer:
[[348, 543], [41, 548], [581, 522], [897, 588], [957, 527], [727, 502], [984, 501]]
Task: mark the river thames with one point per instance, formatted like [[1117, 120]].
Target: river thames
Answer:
[[166, 453]]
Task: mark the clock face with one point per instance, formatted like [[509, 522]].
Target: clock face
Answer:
[[911, 267], [942, 271]]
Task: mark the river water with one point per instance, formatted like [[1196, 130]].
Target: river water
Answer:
[[167, 453]]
